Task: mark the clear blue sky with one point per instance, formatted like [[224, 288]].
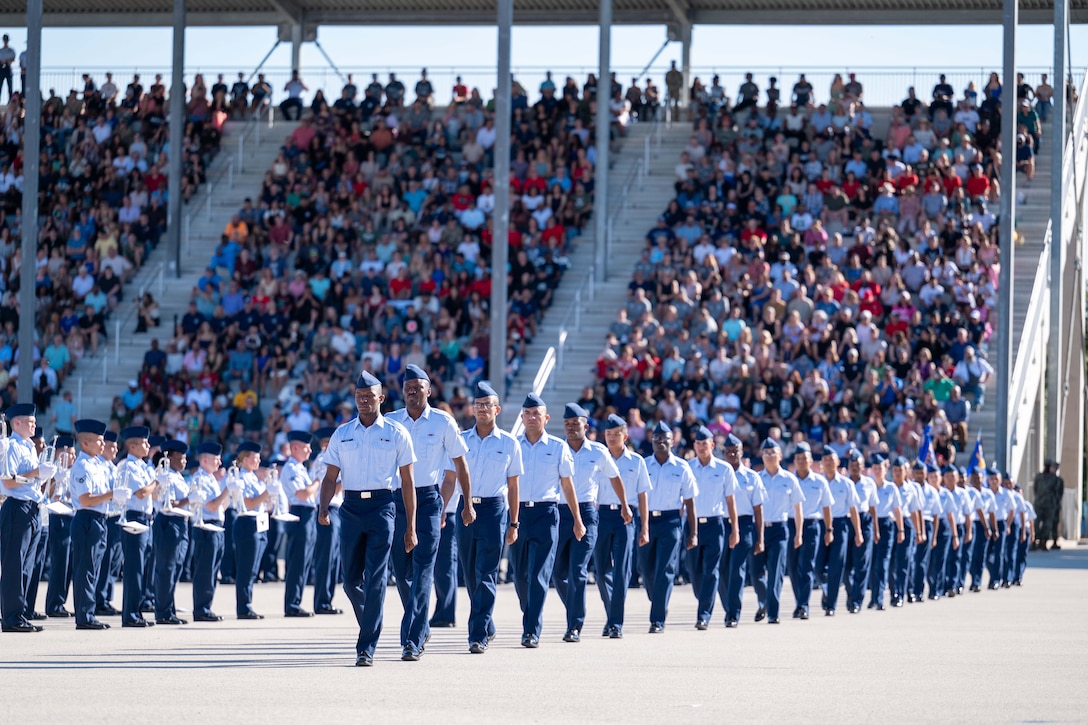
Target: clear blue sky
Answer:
[[233, 49]]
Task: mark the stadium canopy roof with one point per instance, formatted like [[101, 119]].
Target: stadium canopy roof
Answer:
[[114, 13]]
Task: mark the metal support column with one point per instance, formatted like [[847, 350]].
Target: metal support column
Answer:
[[32, 124], [500, 226], [296, 46], [1010, 20], [177, 133], [604, 130], [685, 64], [1055, 368]]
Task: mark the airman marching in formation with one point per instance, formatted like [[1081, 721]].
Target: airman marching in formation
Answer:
[[408, 490]]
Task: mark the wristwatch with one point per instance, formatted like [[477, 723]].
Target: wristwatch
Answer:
[[515, 524]]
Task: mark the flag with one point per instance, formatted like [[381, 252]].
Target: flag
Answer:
[[925, 452], [978, 460]]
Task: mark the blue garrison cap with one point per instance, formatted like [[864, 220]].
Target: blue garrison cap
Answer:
[[948, 469], [817, 456], [962, 470], [612, 422], [732, 441], [662, 429], [899, 462], [769, 444], [918, 466], [156, 441], [484, 390], [803, 447], [366, 380], [135, 431], [173, 446], [110, 436], [993, 471], [210, 448], [855, 455], [324, 432], [702, 433], [933, 468], [65, 442], [875, 459], [20, 409], [415, 372], [89, 425], [248, 447], [573, 410], [532, 400], [299, 436]]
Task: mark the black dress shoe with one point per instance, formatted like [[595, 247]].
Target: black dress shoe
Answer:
[[23, 627], [702, 625], [364, 660], [773, 620], [36, 617], [58, 614], [880, 607], [761, 613], [207, 618], [250, 615], [140, 623], [436, 624], [107, 611], [300, 613], [804, 614], [797, 613], [328, 610], [959, 590], [730, 624], [477, 648], [606, 631], [829, 612], [530, 641], [657, 628], [872, 605], [147, 609], [93, 625], [410, 653], [615, 633], [975, 588], [170, 620], [572, 635]]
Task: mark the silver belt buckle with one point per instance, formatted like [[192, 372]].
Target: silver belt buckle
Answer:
[[655, 513], [703, 520], [529, 504], [614, 507], [366, 494], [477, 499]]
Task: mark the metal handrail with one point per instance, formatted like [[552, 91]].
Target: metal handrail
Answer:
[[546, 367], [1029, 366]]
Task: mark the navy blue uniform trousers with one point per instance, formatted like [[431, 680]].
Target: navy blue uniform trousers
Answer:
[[170, 535], [249, 547], [612, 557], [20, 527], [327, 561], [415, 570], [60, 562], [533, 558], [445, 572], [479, 548], [735, 566], [88, 549], [366, 536], [658, 561], [801, 563], [571, 572], [207, 558], [135, 548], [704, 564]]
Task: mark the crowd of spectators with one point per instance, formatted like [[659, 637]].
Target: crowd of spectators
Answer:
[[368, 246], [819, 278], [102, 208]]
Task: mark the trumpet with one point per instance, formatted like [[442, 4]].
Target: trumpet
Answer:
[[275, 488], [165, 492], [62, 502], [198, 509], [131, 527], [237, 491]]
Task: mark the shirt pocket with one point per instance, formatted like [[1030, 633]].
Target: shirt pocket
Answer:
[[383, 456]]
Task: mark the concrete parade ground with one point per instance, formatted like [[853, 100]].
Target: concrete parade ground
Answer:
[[1013, 655]]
